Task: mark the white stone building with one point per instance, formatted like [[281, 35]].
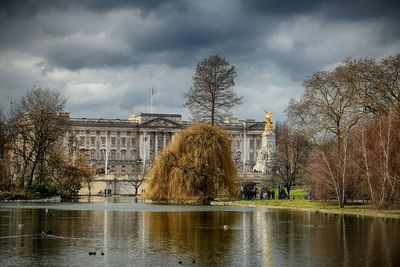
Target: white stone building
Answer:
[[117, 146]]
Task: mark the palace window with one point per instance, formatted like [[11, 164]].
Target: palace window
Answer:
[[103, 140], [102, 154], [237, 144], [123, 154], [113, 155], [251, 143], [133, 154], [113, 141], [93, 140], [82, 141], [92, 154], [123, 141], [133, 143]]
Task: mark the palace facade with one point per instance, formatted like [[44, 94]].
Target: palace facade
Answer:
[[117, 146]]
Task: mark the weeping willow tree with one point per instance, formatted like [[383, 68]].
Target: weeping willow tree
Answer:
[[196, 166]]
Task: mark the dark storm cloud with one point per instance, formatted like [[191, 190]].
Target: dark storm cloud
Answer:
[[31, 7], [180, 30], [331, 9], [91, 48], [181, 34]]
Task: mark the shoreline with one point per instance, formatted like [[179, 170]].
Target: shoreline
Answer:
[[393, 214], [358, 211]]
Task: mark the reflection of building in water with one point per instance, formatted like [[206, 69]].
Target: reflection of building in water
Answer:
[[264, 231], [257, 237]]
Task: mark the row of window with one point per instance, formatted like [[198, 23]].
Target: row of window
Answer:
[[251, 143], [113, 155], [117, 133], [123, 141]]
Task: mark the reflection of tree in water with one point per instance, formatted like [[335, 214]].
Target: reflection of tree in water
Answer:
[[311, 238], [28, 224], [197, 235]]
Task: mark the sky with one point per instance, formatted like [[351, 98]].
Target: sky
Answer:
[[105, 56]]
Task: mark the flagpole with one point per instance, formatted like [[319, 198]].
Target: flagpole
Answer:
[[151, 100]]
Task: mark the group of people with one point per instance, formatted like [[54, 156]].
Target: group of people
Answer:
[[250, 190], [267, 193]]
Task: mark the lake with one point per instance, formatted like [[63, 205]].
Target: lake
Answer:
[[139, 234]]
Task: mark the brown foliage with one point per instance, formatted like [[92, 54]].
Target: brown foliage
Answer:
[[197, 166], [334, 171], [69, 171], [379, 145], [335, 104]]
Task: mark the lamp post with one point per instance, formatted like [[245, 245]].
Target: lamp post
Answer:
[[144, 152]]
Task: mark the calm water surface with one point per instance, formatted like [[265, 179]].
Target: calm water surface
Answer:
[[135, 234]]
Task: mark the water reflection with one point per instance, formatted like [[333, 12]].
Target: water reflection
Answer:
[[153, 238]]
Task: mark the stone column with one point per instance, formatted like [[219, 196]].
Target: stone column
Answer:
[[164, 140], [155, 145], [148, 144]]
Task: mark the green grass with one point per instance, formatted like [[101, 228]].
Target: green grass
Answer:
[[297, 201], [301, 203]]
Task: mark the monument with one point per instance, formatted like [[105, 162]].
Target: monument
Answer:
[[264, 162]]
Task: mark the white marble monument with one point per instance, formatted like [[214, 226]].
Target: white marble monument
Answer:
[[264, 161]]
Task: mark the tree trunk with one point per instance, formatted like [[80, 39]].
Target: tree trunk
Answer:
[[32, 174], [341, 203]]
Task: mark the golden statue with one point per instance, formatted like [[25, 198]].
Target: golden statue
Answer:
[[268, 122]]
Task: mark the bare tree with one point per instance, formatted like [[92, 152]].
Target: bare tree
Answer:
[[379, 145], [136, 177], [68, 167], [136, 180], [212, 96], [291, 156], [389, 81], [377, 83], [4, 134], [38, 124], [328, 110], [5, 171]]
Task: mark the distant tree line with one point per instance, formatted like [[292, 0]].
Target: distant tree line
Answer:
[[36, 154], [344, 133]]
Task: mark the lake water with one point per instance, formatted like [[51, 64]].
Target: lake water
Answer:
[[137, 234]]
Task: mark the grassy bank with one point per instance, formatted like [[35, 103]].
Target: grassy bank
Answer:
[[298, 202], [7, 196]]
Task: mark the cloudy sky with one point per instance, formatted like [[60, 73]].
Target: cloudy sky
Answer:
[[104, 56]]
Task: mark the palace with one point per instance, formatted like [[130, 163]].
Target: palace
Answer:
[[117, 146]]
